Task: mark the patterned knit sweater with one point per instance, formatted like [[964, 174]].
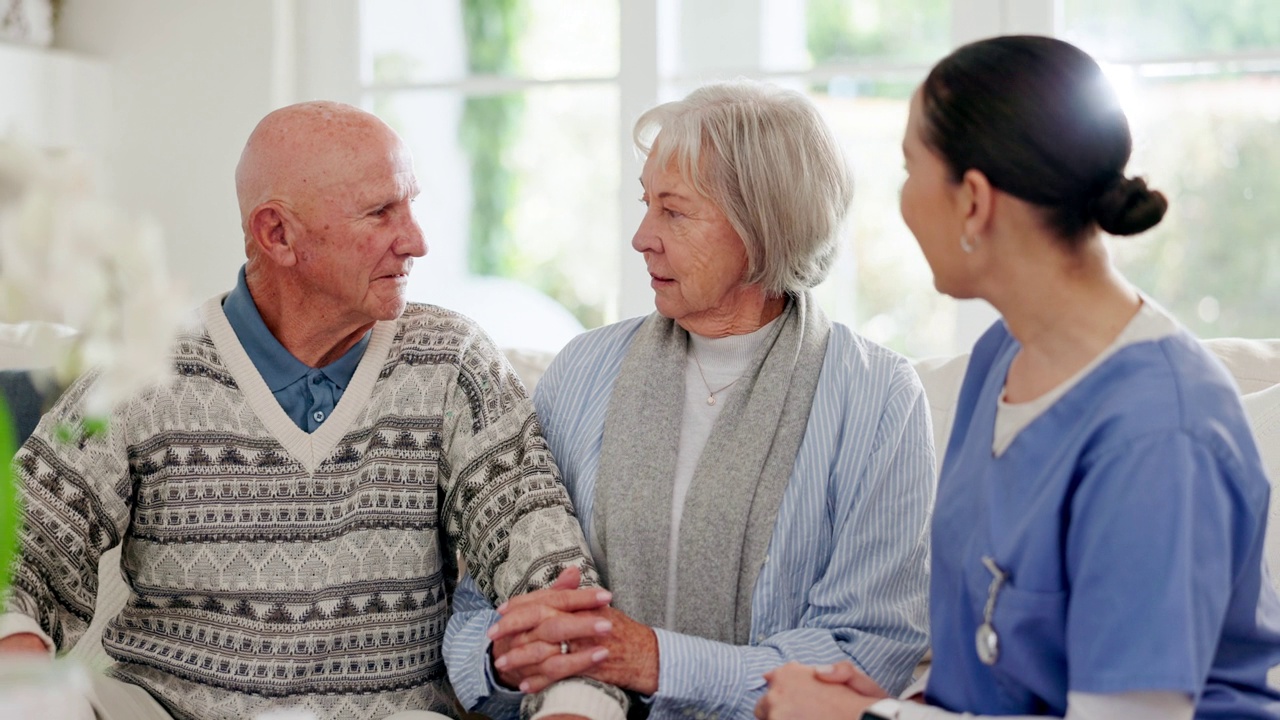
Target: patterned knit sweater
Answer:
[[269, 568]]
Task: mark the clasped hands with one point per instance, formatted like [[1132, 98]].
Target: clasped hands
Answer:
[[603, 643], [607, 645], [802, 692]]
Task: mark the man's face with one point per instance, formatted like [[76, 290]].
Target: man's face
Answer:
[[360, 234]]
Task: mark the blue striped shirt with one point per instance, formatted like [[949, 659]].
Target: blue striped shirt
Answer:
[[846, 575]]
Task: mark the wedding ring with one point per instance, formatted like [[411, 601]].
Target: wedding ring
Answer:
[[564, 647]]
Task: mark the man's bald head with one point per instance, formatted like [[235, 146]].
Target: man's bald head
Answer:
[[326, 193], [298, 152]]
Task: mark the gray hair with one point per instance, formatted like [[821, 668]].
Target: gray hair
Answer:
[[769, 161]]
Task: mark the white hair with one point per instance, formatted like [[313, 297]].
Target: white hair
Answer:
[[769, 161]]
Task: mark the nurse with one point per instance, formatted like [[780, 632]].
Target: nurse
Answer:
[[1097, 540]]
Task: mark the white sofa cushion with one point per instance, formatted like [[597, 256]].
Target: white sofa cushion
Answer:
[[1255, 364]]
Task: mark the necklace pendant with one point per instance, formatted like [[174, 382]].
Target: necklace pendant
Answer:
[[711, 399], [988, 644]]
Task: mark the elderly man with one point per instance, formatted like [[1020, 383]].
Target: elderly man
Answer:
[[291, 503]]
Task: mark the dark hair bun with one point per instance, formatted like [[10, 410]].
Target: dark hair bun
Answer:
[[1128, 207]]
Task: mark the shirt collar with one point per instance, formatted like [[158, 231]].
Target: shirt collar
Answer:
[[277, 366]]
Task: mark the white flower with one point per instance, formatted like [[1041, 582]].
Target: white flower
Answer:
[[72, 258], [19, 166]]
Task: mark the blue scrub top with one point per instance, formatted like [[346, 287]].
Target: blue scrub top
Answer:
[[1129, 518]]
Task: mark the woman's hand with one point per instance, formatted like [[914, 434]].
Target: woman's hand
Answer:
[[605, 644], [526, 641], [798, 691]]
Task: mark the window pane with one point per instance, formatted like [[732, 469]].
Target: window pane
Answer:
[[405, 41], [915, 31], [522, 186], [1211, 143], [881, 285], [1158, 28]]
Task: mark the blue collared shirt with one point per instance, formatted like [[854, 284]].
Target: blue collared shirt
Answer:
[[308, 395]]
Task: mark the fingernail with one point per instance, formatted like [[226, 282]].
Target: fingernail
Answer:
[[524, 686], [600, 654], [604, 596], [500, 662], [502, 608], [603, 626], [823, 668], [492, 632]]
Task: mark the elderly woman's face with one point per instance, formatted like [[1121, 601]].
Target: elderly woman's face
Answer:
[[696, 260]]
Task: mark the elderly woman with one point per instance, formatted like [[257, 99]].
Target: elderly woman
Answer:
[[1102, 507], [754, 480]]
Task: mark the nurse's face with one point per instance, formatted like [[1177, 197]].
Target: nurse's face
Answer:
[[929, 206]]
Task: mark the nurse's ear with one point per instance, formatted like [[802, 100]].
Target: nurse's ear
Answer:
[[976, 202]]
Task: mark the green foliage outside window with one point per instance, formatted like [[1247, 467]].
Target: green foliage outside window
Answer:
[[912, 30], [1209, 141], [489, 127], [1206, 135], [1215, 260], [1161, 28]]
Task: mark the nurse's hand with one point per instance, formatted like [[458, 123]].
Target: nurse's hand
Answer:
[[847, 674], [796, 693]]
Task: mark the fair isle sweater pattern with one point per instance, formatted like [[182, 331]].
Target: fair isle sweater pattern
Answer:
[[268, 570]]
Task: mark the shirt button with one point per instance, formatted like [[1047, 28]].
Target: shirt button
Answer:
[[318, 416], [316, 379]]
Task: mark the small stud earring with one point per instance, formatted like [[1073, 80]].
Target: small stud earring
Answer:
[[967, 245]]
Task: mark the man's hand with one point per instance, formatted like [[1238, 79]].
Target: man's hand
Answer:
[[605, 644], [796, 692], [28, 643]]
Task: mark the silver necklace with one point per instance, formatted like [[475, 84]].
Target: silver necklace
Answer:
[[711, 394]]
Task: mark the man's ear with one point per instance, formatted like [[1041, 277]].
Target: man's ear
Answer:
[[275, 231], [977, 203]]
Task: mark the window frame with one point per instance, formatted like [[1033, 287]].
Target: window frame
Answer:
[[328, 56]]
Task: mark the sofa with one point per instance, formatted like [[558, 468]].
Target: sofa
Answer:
[[1254, 364]]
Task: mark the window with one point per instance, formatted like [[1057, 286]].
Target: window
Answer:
[[510, 109], [869, 55], [1201, 86], [519, 114]]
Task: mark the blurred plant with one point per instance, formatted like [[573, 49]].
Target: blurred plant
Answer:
[[70, 258]]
